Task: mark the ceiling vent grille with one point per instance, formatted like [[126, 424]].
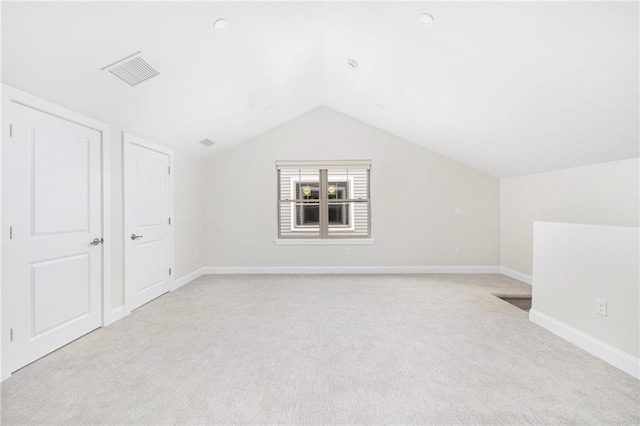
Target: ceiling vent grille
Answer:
[[207, 143], [133, 70]]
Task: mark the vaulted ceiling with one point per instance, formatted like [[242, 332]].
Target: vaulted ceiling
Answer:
[[507, 88]]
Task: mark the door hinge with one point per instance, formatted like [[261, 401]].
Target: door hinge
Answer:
[[11, 232], [169, 271], [11, 335], [169, 169], [10, 130], [169, 221]]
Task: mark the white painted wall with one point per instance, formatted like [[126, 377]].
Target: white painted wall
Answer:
[[600, 194], [189, 213], [573, 265], [117, 220], [414, 193]]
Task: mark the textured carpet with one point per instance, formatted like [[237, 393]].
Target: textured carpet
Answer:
[[333, 349]]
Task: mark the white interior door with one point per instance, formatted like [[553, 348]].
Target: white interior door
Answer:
[[52, 170], [147, 221]]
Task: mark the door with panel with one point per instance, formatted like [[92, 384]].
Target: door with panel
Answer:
[[54, 256], [148, 236]]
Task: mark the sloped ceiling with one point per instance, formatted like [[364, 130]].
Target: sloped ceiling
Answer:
[[507, 88]]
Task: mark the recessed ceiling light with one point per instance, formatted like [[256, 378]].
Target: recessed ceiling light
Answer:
[[207, 143], [352, 64], [221, 24], [426, 19], [379, 106]]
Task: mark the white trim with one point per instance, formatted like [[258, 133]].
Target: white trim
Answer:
[[12, 95], [527, 279], [602, 350], [31, 101], [4, 131], [322, 242], [293, 195], [320, 164], [107, 318], [186, 279], [222, 270], [117, 314], [127, 140], [126, 136], [172, 236]]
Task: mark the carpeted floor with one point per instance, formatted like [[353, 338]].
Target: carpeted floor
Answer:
[[332, 349]]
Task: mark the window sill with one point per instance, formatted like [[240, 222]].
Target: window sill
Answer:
[[322, 242]]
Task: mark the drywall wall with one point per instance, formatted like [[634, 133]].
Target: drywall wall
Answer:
[[413, 196], [600, 194], [575, 264], [188, 212], [117, 220]]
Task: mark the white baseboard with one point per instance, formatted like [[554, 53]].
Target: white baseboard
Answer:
[[220, 270], [117, 313], [527, 279], [604, 351], [185, 279], [114, 315]]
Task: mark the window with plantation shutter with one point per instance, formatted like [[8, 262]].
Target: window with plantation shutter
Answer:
[[324, 200]]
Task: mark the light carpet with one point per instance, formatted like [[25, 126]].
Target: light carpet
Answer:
[[330, 349]]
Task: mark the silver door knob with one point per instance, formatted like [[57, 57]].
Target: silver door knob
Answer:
[[96, 241], [136, 237]]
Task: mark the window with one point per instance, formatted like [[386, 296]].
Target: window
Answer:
[[323, 200], [307, 215]]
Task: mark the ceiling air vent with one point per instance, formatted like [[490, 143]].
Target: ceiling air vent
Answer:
[[207, 143], [133, 70]]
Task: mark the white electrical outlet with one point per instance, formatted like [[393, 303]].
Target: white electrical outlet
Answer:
[[458, 251], [347, 251], [601, 307], [457, 210]]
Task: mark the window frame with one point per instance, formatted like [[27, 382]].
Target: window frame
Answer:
[[322, 233], [294, 206], [293, 183]]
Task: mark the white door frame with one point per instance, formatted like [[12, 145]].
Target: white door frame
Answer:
[[127, 140], [10, 96]]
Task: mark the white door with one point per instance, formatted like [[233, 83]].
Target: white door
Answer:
[[147, 221], [54, 256]]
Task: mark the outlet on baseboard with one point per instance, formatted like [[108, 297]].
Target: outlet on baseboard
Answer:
[[347, 251], [458, 251], [601, 307]]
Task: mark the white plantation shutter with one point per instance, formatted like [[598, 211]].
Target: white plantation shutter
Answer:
[[357, 210], [324, 199], [325, 164], [289, 214]]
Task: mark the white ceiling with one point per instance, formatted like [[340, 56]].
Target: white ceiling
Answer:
[[507, 88]]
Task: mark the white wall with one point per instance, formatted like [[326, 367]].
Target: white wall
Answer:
[[117, 220], [575, 264], [414, 193], [600, 194], [189, 213], [188, 220]]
